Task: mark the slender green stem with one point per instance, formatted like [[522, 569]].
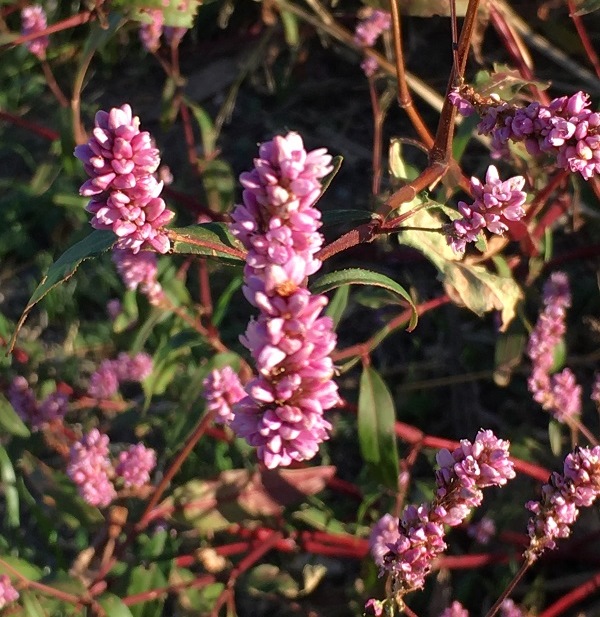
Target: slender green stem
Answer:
[[509, 589]]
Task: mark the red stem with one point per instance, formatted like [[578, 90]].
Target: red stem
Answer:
[[585, 39], [153, 594], [41, 131], [573, 597], [174, 468], [512, 46], [69, 22]]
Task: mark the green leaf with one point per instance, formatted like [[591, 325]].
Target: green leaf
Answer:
[[176, 13], [114, 606], [290, 28], [206, 126], [338, 304], [143, 579], [508, 353], [219, 184], [32, 605], [467, 284], [358, 276], [65, 266], [555, 436], [504, 81], [376, 420], [10, 421], [224, 300], [583, 7], [463, 136], [326, 181], [24, 568], [100, 34], [335, 218], [209, 239], [11, 494]]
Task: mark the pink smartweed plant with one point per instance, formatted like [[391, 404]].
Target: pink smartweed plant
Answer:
[[368, 30], [125, 196], [222, 390], [134, 368], [139, 271], [90, 469], [34, 414], [567, 128], [558, 393], [496, 203], [456, 609], [151, 31], [282, 412], [8, 593], [135, 465], [105, 381], [576, 487], [482, 531], [33, 19], [461, 476]]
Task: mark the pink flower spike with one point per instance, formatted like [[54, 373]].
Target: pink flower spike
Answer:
[[121, 160], [150, 33], [8, 593], [89, 468], [496, 202], [456, 609], [135, 465], [578, 486], [222, 389], [33, 19], [281, 413]]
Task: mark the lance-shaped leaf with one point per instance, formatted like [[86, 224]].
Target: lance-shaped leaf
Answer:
[[583, 7], [327, 180], [10, 422], [239, 494], [470, 285], [209, 239], [359, 276], [65, 266], [376, 420]]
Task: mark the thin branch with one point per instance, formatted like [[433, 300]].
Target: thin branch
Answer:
[[45, 589], [509, 589], [442, 148], [404, 97], [65, 24], [585, 39], [53, 84], [174, 468]]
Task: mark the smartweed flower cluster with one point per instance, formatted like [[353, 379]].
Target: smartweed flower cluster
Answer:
[[461, 476], [558, 393], [282, 412], [186, 522], [567, 128]]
